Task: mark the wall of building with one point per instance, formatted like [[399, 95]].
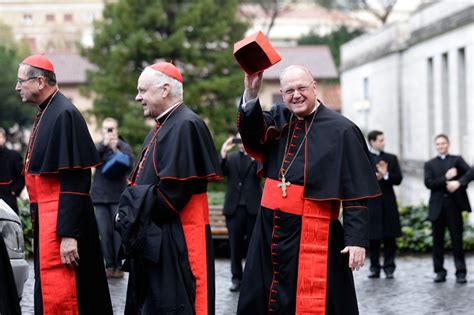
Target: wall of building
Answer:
[[415, 77], [54, 25]]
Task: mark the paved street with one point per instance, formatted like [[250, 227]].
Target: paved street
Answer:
[[411, 292]]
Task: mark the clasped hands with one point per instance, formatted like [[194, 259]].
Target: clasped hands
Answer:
[[452, 185]]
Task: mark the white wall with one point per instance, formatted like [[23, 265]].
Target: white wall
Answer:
[[398, 75]]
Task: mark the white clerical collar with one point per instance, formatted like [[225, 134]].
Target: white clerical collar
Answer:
[[442, 156], [168, 110], [314, 109], [375, 151]]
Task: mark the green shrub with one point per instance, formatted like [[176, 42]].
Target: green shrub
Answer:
[[24, 207], [416, 231], [215, 198]]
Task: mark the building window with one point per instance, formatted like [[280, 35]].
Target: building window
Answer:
[[28, 18], [68, 18], [445, 106], [366, 89], [462, 101], [49, 17], [430, 103]]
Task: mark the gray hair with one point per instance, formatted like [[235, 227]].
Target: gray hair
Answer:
[[32, 71], [160, 78]]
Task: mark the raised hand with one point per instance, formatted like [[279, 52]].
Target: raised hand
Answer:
[[252, 85]]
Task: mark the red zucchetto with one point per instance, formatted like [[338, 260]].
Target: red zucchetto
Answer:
[[39, 61], [168, 69]]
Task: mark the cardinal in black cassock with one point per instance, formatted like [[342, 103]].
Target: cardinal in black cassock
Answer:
[[163, 215], [300, 256], [69, 272]]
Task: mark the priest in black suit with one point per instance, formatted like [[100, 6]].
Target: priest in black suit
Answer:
[[445, 208], [242, 201], [383, 211]]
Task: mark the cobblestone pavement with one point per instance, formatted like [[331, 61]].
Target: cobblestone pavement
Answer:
[[411, 292]]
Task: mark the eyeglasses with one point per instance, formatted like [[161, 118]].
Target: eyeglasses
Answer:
[[21, 81], [301, 89]]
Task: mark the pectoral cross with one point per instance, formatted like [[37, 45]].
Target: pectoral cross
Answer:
[[283, 186]]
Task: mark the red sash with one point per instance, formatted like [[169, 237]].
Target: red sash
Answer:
[[194, 218], [58, 283], [313, 252]]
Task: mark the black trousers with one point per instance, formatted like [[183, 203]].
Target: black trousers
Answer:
[[109, 238], [240, 226], [451, 218], [389, 253]]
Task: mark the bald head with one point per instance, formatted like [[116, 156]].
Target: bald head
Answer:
[[296, 69]]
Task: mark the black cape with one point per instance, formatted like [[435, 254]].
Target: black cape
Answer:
[[62, 140], [11, 180], [340, 166], [183, 135]]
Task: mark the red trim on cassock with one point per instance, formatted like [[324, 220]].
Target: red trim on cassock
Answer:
[[166, 199], [69, 168], [313, 253], [350, 207], [73, 193], [6, 183], [209, 177], [348, 199], [58, 283], [194, 219]]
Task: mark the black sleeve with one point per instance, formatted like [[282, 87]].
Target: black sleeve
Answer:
[[467, 178], [224, 166], [395, 173], [356, 223], [74, 200], [253, 123], [18, 180], [431, 181], [173, 195], [462, 167]]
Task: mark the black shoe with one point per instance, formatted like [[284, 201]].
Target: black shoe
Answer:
[[461, 279], [389, 275], [235, 286], [440, 277], [374, 274]]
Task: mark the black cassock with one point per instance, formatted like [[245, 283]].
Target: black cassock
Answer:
[[169, 250], [11, 180], [333, 165], [57, 172]]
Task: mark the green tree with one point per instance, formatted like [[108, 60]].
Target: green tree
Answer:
[[12, 111], [334, 40], [197, 35]]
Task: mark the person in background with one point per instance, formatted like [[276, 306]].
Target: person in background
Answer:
[[110, 180], [12, 181], [242, 200], [383, 211], [445, 208]]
